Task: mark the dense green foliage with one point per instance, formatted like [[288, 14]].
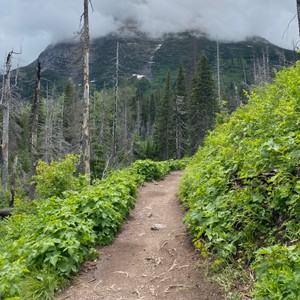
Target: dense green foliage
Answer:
[[43, 243], [243, 189], [55, 178], [157, 170], [163, 124]]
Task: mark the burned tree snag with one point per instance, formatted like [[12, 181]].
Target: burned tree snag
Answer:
[[34, 127], [115, 112], [298, 13], [5, 101], [13, 182], [85, 147]]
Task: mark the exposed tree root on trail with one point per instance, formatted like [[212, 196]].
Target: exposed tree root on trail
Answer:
[[151, 258]]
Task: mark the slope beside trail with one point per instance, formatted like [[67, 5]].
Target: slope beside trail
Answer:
[[151, 258]]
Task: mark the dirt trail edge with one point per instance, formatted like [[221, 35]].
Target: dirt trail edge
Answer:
[[151, 258]]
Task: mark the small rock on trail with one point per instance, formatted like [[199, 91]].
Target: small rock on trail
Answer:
[[151, 258]]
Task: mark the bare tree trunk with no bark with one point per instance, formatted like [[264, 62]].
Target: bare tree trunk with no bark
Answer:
[[298, 12], [85, 151], [13, 182], [5, 101], [34, 128], [115, 113]]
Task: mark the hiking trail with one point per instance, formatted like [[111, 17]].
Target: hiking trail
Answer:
[[151, 258]]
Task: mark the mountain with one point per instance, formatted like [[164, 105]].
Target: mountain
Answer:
[[249, 61]]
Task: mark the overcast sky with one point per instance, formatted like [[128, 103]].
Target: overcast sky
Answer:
[[37, 23]]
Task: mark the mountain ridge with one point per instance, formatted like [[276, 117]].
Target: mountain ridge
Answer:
[[154, 57]]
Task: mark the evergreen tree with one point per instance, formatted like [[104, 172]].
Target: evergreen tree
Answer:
[[180, 115], [204, 104], [151, 113], [163, 122]]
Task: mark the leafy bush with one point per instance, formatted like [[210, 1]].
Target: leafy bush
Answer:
[[178, 164], [277, 272], [243, 189], [58, 176], [45, 242], [54, 238], [152, 170]]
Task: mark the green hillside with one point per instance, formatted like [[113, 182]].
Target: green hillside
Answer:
[[243, 189]]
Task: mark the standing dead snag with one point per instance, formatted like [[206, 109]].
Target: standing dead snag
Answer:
[[115, 112], [34, 127], [5, 101], [5, 105], [13, 182], [218, 75], [298, 13], [85, 149]]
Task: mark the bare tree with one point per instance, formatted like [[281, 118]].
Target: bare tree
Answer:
[[85, 148], [5, 101], [48, 131], [298, 13], [13, 182], [114, 131], [218, 74], [34, 127], [5, 104]]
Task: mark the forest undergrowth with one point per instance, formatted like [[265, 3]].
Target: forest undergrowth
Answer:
[[242, 191], [44, 242]]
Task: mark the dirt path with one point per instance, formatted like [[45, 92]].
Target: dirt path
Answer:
[[152, 257]]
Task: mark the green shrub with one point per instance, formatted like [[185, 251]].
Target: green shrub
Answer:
[[149, 169], [152, 170], [242, 188], [45, 242], [178, 164], [277, 272], [58, 176]]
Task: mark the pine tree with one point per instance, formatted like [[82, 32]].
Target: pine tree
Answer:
[[163, 122], [180, 114], [204, 104]]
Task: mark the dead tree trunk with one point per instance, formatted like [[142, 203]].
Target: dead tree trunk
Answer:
[[85, 149], [5, 212], [34, 128], [5, 101], [218, 75], [298, 12], [13, 182], [114, 131], [48, 127]]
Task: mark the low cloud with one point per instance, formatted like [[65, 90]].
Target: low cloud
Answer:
[[37, 23]]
